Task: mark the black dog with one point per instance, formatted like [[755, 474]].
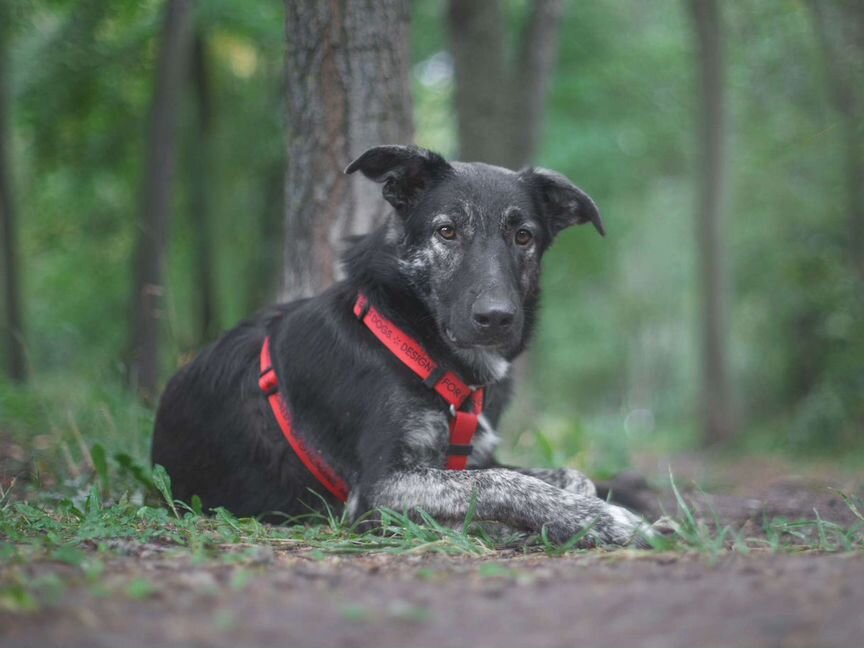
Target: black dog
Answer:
[[455, 271]]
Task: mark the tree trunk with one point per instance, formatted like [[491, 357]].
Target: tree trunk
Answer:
[[156, 197], [716, 397], [17, 367], [499, 104], [199, 203], [538, 51], [348, 89], [839, 28], [477, 42]]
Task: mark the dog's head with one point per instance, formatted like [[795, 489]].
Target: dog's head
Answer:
[[469, 238]]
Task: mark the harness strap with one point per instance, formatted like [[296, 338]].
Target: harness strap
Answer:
[[269, 385], [463, 425], [448, 385]]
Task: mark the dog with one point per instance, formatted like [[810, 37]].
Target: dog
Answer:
[[326, 413]]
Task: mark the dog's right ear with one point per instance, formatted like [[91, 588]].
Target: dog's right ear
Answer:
[[564, 203], [406, 171]]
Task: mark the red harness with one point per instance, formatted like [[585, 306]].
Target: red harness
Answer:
[[313, 460], [446, 384]]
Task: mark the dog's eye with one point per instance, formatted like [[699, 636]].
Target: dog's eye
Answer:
[[523, 237], [447, 232]]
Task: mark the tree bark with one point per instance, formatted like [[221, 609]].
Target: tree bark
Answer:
[[716, 395], [538, 51], [199, 203], [499, 103], [839, 28], [477, 42], [156, 193], [16, 360], [347, 89]]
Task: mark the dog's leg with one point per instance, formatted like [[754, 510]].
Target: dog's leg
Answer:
[[506, 496], [566, 479]]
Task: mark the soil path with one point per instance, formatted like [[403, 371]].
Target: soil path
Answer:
[[596, 600]]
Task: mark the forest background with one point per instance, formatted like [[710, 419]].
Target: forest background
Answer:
[[617, 366]]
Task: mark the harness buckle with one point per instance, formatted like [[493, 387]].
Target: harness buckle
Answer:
[[267, 382], [434, 377], [361, 307], [459, 450]]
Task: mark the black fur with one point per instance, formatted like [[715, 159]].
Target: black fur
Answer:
[[470, 300]]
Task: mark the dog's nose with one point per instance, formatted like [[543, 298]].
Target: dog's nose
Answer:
[[493, 315]]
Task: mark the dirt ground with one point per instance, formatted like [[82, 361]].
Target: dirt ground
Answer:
[[623, 598], [601, 600]]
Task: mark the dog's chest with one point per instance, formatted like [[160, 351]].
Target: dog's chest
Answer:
[[427, 435]]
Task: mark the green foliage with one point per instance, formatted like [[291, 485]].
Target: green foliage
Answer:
[[617, 348], [65, 433], [163, 484], [614, 364], [83, 75], [692, 531]]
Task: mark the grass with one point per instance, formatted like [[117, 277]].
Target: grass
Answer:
[[710, 536], [80, 534], [86, 502]]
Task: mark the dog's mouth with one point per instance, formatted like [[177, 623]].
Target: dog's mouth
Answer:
[[473, 344]]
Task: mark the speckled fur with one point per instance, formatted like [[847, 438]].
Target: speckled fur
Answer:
[[518, 500]]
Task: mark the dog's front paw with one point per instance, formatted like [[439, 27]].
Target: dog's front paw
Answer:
[[609, 525], [627, 528]]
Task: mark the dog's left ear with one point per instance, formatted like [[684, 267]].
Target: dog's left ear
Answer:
[[563, 202], [406, 171]]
